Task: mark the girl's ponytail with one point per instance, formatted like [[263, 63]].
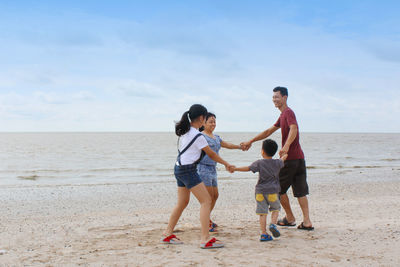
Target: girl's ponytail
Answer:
[[195, 111], [183, 126]]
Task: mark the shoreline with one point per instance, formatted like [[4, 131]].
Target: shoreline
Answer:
[[327, 174]]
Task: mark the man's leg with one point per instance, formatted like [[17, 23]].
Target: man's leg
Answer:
[[303, 201], [300, 191], [286, 176], [288, 209]]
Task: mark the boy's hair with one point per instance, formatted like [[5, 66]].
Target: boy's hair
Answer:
[[282, 90], [270, 147]]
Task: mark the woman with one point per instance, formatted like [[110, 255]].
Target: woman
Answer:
[[207, 167]]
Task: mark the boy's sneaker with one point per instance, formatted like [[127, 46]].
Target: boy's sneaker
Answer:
[[274, 230], [266, 237]]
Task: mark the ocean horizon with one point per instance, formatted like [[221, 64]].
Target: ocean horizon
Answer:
[[57, 158]]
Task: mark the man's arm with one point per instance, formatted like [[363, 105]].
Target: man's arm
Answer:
[[228, 145], [292, 135], [284, 157], [260, 136]]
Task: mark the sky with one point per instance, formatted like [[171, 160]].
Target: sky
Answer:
[[138, 65]]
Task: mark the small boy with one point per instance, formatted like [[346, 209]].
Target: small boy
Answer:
[[267, 188]]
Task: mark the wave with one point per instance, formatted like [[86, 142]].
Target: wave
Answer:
[[390, 160], [29, 177], [95, 170], [313, 167]]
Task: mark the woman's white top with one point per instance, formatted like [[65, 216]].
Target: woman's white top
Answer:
[[194, 151]]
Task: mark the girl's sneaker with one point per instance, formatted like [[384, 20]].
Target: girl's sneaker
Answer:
[[274, 230]]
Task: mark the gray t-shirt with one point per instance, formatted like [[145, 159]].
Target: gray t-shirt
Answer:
[[268, 179]]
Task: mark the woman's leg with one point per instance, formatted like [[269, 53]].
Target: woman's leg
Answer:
[[202, 195], [213, 191], [183, 200]]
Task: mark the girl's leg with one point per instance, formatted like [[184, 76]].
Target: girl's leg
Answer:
[[183, 200], [202, 195]]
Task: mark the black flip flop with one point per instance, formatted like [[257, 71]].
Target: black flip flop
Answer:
[[307, 228], [285, 222]]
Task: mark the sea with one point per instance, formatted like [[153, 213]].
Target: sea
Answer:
[[38, 159]]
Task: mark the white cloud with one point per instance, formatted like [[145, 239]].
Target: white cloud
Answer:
[[143, 76]]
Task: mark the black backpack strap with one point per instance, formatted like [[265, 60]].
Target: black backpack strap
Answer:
[[201, 157], [187, 147]]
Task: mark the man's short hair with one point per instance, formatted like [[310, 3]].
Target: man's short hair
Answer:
[[282, 90], [270, 147]]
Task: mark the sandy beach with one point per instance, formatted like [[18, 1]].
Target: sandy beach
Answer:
[[355, 216]]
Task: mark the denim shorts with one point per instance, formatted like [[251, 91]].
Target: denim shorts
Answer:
[[208, 174], [186, 175]]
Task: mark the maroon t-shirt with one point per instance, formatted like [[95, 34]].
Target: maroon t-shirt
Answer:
[[286, 119]]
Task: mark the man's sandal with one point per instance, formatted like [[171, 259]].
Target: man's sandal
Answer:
[[307, 228], [285, 222]]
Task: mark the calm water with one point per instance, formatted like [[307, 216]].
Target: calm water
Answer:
[[91, 158]]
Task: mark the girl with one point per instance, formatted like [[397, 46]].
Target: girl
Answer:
[[192, 147], [207, 167]]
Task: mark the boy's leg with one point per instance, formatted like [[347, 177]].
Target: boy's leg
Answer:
[[274, 217], [274, 208], [263, 224]]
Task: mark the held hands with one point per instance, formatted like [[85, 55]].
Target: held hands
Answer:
[[230, 168], [245, 145], [283, 151]]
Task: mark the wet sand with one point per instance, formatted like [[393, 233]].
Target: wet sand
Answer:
[[355, 214]]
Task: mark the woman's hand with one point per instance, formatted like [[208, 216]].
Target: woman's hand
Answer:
[[230, 168], [245, 145]]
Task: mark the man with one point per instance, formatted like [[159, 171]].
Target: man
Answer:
[[294, 172]]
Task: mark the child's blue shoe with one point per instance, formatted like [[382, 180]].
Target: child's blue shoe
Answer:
[[274, 230], [266, 237]]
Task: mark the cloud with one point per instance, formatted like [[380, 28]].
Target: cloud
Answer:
[[83, 96], [387, 51], [134, 88], [102, 73]]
